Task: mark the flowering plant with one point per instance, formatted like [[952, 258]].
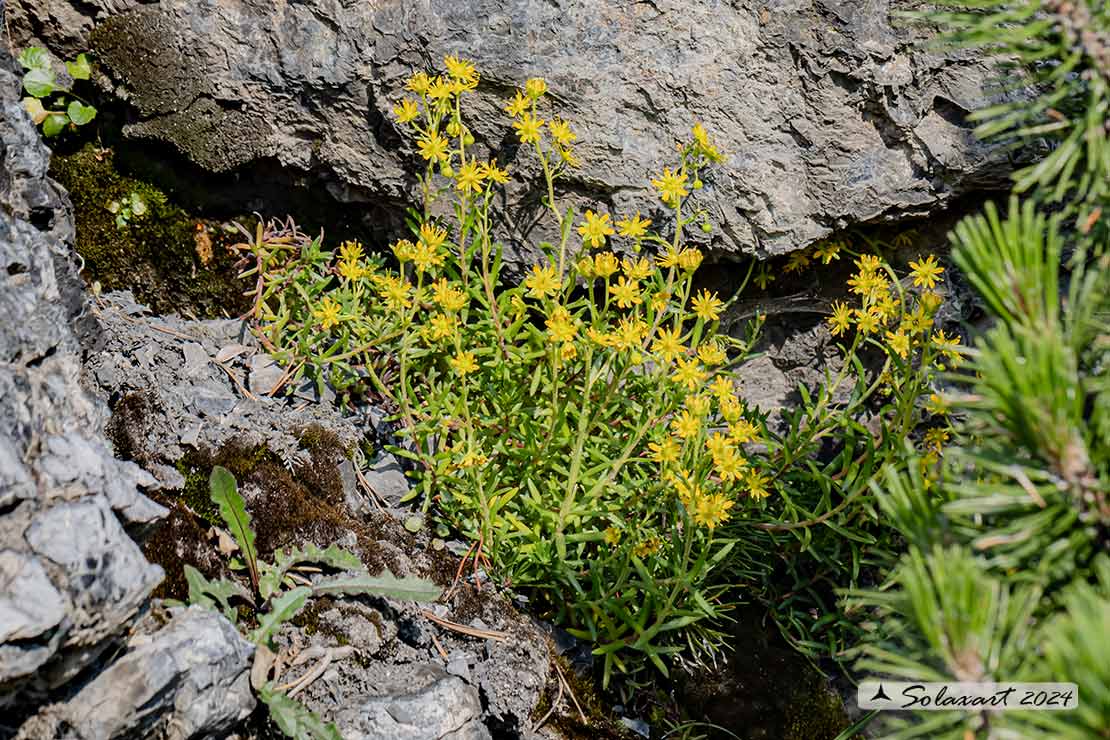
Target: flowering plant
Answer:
[[582, 428]]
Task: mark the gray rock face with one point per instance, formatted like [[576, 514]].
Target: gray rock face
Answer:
[[196, 668], [827, 113], [72, 579]]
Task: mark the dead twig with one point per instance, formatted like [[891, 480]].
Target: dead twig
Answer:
[[442, 652], [369, 490], [563, 682], [463, 629], [550, 711]]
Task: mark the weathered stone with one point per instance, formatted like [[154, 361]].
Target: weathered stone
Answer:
[[828, 113], [189, 679]]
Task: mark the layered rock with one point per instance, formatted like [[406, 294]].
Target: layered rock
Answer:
[[830, 113]]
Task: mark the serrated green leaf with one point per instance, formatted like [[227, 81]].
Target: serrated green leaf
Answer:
[[34, 57], [282, 609], [79, 69], [80, 113], [224, 493], [208, 594], [295, 719], [270, 578], [386, 584], [39, 82], [55, 124]]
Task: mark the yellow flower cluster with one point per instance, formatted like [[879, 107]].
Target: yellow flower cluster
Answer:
[[523, 109]]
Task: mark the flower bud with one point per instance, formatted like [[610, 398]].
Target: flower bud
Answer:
[[446, 170], [697, 185], [707, 227]]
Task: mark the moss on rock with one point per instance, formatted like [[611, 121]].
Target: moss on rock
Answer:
[[171, 260]]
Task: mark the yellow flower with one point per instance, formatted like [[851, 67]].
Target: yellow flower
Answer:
[[395, 292], [899, 343], [441, 90], [636, 269], [698, 405], [757, 486], [701, 140], [447, 296], [664, 452], [493, 173], [568, 157], [441, 326], [634, 227], [730, 465], [936, 405], [568, 352], [668, 344], [797, 262], [461, 70], [350, 269], [919, 321], [743, 431], [560, 325], [586, 267], [935, 439], [560, 132], [718, 444], [432, 235], [612, 536], [463, 363], [711, 511], [626, 292], [689, 373], [605, 264], [406, 110], [686, 425], [841, 319], [671, 186], [403, 250], [689, 259], [671, 258], [730, 407], [931, 301], [469, 177], [601, 339], [419, 83], [542, 282], [595, 229], [926, 272], [869, 263], [425, 257], [351, 251], [827, 251], [659, 301], [528, 128], [327, 314], [630, 333], [711, 353], [518, 105], [868, 321], [721, 387], [949, 347], [707, 306], [432, 147], [535, 87], [649, 546]]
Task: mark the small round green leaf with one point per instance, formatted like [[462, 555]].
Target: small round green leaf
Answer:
[[34, 57], [35, 109], [79, 69], [54, 124], [80, 113], [39, 82]]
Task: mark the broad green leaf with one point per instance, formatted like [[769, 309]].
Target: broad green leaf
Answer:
[[79, 69], [39, 82], [295, 719], [80, 113], [386, 584], [55, 124], [35, 109], [225, 495], [34, 57], [282, 609]]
